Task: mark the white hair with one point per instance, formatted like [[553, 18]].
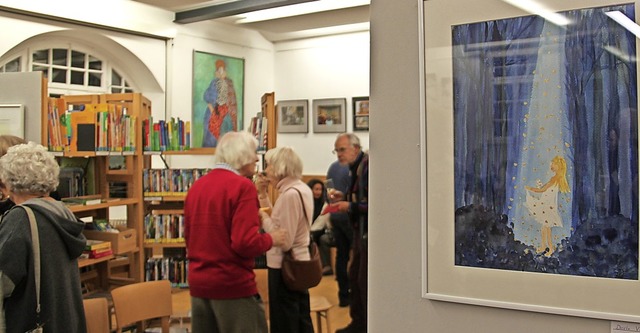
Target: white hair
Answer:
[[237, 149], [284, 162], [29, 169]]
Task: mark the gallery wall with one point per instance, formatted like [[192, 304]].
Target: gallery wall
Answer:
[[396, 229]]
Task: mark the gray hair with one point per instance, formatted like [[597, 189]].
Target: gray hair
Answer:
[[29, 169], [237, 149], [354, 140], [284, 162]]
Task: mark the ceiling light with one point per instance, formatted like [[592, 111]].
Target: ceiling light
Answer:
[[299, 9], [534, 7], [624, 21]]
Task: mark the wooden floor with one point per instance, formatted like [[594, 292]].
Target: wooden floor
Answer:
[[328, 288]]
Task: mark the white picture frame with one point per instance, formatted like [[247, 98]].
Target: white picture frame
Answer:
[[591, 297], [12, 120]]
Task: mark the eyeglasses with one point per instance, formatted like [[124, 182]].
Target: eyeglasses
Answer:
[[339, 150]]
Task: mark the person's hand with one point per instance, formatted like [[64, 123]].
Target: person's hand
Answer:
[[262, 184], [335, 195], [342, 206], [263, 215], [279, 237]]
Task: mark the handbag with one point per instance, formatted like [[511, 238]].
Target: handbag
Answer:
[[300, 275]]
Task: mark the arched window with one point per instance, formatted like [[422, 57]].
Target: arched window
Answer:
[[70, 70]]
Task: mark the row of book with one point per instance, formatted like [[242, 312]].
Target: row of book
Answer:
[[168, 182], [90, 127], [164, 228], [173, 135], [258, 127], [97, 249], [174, 269]]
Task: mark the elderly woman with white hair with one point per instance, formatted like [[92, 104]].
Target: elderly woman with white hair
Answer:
[[28, 174], [288, 309], [222, 235]]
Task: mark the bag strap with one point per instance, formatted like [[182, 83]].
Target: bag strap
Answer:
[[306, 219], [304, 210], [35, 243]]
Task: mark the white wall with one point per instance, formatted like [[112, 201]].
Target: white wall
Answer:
[[326, 67], [395, 228]]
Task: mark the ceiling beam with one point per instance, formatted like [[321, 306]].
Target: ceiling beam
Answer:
[[231, 8]]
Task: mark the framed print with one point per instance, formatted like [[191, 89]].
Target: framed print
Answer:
[[12, 120], [530, 161], [329, 115], [293, 116], [218, 97], [360, 113]]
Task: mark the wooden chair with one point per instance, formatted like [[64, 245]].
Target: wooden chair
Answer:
[[96, 312], [139, 302], [262, 281], [321, 306]]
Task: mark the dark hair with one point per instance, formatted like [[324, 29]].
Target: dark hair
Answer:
[[318, 203]]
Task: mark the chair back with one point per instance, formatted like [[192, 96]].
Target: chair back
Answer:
[[138, 302], [96, 312]]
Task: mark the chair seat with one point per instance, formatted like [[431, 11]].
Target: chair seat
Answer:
[[320, 306]]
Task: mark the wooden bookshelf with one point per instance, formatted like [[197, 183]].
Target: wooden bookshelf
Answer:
[[138, 108], [173, 203]]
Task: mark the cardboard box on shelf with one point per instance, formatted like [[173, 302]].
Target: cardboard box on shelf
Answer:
[[121, 242]]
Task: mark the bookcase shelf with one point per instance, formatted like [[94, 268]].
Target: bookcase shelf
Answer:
[[170, 203], [121, 138]]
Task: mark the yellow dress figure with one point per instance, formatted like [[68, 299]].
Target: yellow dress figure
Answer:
[[543, 203]]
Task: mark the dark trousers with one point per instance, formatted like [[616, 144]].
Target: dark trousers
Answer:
[[324, 246], [289, 311], [343, 236], [358, 281]]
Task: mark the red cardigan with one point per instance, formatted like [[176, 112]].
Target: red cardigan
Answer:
[[222, 235]]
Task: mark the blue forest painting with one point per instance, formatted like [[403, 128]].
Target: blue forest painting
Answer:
[[546, 145]]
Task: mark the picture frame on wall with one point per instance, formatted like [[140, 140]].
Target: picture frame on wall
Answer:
[[217, 97], [293, 116], [360, 113], [513, 159], [12, 120], [329, 115]]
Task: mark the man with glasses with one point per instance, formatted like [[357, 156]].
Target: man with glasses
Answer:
[[355, 203], [342, 233]]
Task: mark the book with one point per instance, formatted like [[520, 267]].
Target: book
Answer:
[[83, 200], [95, 254], [93, 245]]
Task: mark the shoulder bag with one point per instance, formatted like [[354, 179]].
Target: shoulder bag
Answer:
[[300, 275]]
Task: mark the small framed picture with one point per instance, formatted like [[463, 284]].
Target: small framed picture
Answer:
[[329, 115], [360, 113], [293, 116]]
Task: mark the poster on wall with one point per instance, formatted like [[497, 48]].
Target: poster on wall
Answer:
[[218, 97], [542, 165]]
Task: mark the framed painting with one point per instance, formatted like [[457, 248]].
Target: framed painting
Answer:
[[360, 113], [12, 119], [329, 115], [217, 99], [293, 116], [530, 161]]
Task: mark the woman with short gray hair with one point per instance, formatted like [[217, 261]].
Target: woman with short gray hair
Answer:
[[29, 172], [288, 309]]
